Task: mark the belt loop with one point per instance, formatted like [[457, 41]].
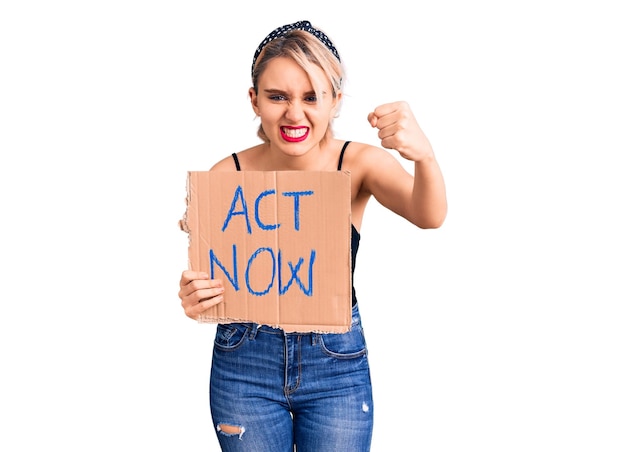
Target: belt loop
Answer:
[[253, 330]]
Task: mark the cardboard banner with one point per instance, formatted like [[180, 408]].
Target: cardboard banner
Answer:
[[280, 243]]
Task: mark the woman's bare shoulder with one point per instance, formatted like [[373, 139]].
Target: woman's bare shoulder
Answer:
[[359, 154], [228, 163]]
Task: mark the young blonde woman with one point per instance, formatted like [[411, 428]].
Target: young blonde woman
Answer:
[[271, 390]]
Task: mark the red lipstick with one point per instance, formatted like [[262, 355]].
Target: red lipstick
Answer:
[[294, 134]]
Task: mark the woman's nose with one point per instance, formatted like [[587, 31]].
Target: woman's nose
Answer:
[[295, 111]]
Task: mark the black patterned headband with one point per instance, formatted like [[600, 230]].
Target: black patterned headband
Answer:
[[304, 25]]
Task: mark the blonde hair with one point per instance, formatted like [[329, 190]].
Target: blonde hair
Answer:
[[307, 51]]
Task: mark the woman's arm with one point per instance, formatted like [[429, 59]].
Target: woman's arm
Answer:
[[421, 197]]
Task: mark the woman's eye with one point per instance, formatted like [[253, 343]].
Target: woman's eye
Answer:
[[311, 99], [277, 97]]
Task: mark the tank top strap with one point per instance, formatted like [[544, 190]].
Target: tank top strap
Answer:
[[343, 150], [236, 159]]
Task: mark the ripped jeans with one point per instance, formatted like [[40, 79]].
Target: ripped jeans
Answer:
[[271, 390]]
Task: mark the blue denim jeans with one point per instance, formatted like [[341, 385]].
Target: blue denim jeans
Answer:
[[271, 390]]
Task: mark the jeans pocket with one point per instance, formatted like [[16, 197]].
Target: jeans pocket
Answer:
[[344, 345], [230, 336]]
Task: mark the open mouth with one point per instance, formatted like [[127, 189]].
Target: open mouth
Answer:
[[294, 133]]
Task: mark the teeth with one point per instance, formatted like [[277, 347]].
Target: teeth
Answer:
[[295, 133]]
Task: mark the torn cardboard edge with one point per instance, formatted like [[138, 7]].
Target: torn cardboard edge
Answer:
[[279, 241]]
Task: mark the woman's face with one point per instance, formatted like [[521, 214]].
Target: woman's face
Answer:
[[294, 119]]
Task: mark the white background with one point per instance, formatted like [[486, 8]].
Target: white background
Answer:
[[504, 330]]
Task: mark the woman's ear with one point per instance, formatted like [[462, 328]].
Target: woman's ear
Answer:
[[336, 105], [254, 100]]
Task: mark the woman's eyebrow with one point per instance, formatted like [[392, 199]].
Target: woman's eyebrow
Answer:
[[279, 91]]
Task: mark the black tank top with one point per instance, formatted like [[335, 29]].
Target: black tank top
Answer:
[[355, 236]]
